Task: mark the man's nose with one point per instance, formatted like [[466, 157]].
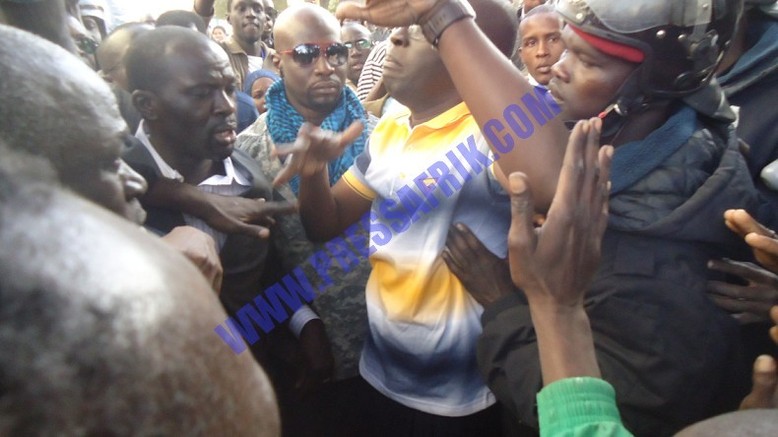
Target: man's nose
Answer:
[[542, 49], [559, 70], [323, 66]]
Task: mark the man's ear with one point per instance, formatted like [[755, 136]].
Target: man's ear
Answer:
[[146, 103], [276, 58]]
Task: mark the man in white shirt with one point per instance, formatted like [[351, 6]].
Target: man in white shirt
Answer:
[[184, 88]]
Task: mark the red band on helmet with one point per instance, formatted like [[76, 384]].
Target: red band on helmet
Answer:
[[611, 48]]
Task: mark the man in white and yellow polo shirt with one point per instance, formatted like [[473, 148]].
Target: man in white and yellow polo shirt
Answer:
[[422, 170]]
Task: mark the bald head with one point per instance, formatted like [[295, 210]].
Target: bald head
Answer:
[[298, 19], [99, 341], [314, 87], [110, 53], [46, 102], [54, 106], [148, 59]]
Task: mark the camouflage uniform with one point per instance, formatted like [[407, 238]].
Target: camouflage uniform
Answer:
[[341, 304]]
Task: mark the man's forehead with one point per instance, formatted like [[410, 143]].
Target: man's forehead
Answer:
[[305, 23], [197, 53], [313, 34], [549, 19], [355, 30], [236, 3], [181, 71]]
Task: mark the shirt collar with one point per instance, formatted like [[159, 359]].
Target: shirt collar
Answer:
[[169, 172], [235, 48], [448, 117]]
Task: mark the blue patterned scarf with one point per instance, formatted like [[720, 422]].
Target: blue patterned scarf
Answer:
[[283, 122]]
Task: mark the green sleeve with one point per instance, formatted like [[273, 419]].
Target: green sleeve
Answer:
[[579, 407]]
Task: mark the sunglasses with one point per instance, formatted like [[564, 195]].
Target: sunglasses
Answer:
[[360, 44], [305, 54]]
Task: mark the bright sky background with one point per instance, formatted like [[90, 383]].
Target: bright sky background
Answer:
[[139, 8]]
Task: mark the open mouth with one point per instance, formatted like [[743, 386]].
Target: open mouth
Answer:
[[226, 134]]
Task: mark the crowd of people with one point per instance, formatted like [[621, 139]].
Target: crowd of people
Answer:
[[424, 218]]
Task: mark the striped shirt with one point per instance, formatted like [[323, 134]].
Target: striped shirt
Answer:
[[372, 70]]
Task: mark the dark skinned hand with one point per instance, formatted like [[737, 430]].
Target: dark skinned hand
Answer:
[[317, 353], [485, 275], [749, 303], [228, 214], [313, 149], [386, 13], [200, 249], [554, 263], [762, 240], [239, 215]]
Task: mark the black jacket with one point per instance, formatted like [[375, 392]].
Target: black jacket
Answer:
[[670, 353]]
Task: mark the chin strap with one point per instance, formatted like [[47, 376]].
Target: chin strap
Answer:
[[629, 100]]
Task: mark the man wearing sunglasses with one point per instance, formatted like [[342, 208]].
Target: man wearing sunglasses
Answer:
[[357, 39], [313, 63]]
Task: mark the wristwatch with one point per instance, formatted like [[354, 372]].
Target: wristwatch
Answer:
[[442, 15]]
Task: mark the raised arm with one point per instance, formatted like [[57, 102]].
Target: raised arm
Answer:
[[499, 97], [204, 8]]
